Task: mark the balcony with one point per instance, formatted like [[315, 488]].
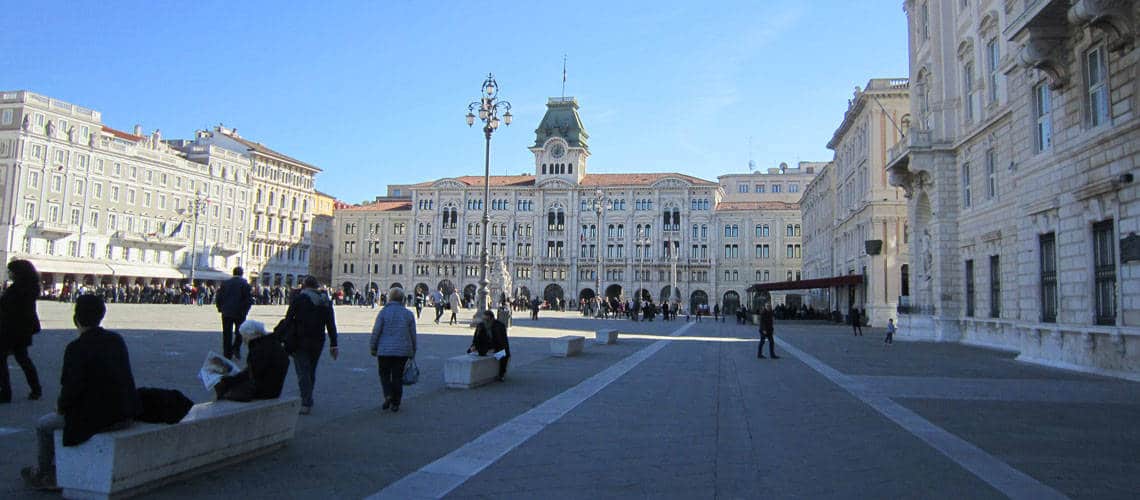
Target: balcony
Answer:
[[55, 230]]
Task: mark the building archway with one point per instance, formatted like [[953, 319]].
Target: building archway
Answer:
[[446, 286], [587, 294], [395, 285], [696, 299], [553, 292], [613, 291], [669, 294], [422, 289], [348, 288], [731, 302], [524, 293], [469, 293], [643, 294]]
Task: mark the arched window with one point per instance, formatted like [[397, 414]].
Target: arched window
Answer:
[[543, 169]]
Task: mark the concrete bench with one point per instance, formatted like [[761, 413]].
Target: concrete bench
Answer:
[[145, 456], [468, 371], [567, 346], [607, 336]]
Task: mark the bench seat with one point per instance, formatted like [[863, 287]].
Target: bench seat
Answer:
[[606, 336], [145, 456], [468, 371], [566, 346]]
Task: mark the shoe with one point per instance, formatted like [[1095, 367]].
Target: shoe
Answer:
[[35, 395], [499, 378], [39, 480], [305, 410], [395, 407], [761, 356], [387, 404], [775, 356]]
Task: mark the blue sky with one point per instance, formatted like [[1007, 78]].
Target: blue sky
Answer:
[[375, 92]]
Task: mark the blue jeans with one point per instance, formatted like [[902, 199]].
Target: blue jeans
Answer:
[[305, 363]]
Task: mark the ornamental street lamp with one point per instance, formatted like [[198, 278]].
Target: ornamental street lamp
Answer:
[[643, 251], [599, 208], [197, 207], [488, 107]]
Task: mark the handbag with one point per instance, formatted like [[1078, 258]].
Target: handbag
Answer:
[[411, 372]]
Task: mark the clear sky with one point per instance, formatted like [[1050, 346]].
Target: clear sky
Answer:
[[375, 92]]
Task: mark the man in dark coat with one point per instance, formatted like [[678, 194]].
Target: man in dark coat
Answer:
[[233, 300], [767, 332], [18, 322], [491, 336], [97, 390], [312, 311]]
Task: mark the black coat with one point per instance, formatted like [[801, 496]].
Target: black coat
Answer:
[[97, 389], [263, 377], [18, 319], [766, 321], [496, 341], [234, 298], [314, 313]]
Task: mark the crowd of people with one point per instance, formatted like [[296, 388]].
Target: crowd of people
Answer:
[[138, 293]]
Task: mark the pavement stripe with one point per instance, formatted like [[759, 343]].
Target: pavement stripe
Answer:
[[1003, 477], [442, 476], [9, 430]]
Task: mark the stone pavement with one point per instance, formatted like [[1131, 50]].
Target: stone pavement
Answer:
[[693, 416]]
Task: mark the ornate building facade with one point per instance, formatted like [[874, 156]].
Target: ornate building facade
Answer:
[[1019, 176], [88, 204], [564, 234], [854, 221]]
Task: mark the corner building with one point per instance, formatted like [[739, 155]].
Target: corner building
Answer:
[[563, 234], [1019, 174]]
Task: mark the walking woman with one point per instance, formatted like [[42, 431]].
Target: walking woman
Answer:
[[18, 322], [393, 342]]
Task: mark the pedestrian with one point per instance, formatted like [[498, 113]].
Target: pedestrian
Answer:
[[856, 321], [419, 301], [18, 322], [491, 336], [453, 302], [235, 297], [393, 342], [716, 312], [767, 332], [265, 371], [97, 391], [890, 331], [437, 301], [312, 313]]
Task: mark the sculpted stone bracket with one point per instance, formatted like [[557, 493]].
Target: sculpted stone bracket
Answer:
[[1114, 17], [1044, 50]]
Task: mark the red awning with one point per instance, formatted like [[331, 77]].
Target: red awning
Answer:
[[848, 280]]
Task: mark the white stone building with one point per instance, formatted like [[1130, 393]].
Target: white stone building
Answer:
[[650, 232], [1019, 171], [860, 226], [88, 204]]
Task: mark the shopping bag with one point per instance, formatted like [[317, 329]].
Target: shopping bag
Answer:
[[411, 372]]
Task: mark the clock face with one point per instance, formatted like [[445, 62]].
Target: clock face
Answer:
[[557, 150]]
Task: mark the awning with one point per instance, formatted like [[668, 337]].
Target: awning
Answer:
[[847, 280], [70, 267], [145, 271], [206, 274]]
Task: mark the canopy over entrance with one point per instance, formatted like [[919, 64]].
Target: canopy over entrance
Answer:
[[847, 280]]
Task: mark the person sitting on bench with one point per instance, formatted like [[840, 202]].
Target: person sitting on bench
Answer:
[[264, 375]]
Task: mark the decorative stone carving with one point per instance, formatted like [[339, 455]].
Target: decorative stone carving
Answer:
[[1044, 50], [1111, 16]]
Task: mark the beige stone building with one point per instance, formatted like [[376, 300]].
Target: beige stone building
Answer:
[[1019, 173], [860, 226], [563, 233], [323, 234], [88, 204]]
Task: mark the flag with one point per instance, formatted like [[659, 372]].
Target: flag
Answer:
[[177, 229]]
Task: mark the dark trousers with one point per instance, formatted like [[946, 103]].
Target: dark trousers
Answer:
[[305, 364], [438, 313], [391, 370], [771, 344], [454, 313], [890, 337], [25, 362], [857, 329], [503, 365], [231, 339]]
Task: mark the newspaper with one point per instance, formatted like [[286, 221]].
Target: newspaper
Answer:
[[214, 368]]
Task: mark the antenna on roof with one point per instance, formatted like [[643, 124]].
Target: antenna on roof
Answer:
[[563, 76]]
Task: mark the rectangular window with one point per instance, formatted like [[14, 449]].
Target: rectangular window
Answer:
[[970, 288], [775, 188], [1043, 111], [743, 188], [30, 211], [34, 180], [1096, 77], [991, 174], [924, 19], [1104, 270], [759, 188], [968, 91], [993, 57], [6, 118], [995, 286], [1048, 244], [966, 185]]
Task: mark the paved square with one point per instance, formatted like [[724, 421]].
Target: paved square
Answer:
[[691, 416]]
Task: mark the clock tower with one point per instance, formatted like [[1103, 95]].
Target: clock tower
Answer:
[[560, 149]]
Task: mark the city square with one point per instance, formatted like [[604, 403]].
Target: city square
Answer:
[[837, 416], [928, 207]]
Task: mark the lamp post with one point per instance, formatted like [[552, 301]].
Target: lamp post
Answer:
[[599, 208], [488, 107], [373, 242], [674, 294], [196, 208]]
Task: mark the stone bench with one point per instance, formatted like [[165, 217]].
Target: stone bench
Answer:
[[468, 371], [145, 456], [567, 346], [607, 336]]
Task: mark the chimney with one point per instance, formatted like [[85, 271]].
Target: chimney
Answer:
[[138, 130]]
